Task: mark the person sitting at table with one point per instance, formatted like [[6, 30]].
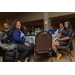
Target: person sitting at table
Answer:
[[42, 29], [63, 40], [52, 31], [59, 31], [6, 28], [26, 30], [17, 36]]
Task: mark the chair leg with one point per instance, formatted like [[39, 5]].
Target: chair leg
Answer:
[[56, 53], [34, 57], [69, 56], [51, 56]]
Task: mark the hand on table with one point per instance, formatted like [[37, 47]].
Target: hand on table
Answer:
[[58, 39], [27, 44]]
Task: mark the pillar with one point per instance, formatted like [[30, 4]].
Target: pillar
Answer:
[[47, 22]]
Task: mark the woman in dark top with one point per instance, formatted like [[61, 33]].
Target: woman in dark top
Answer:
[[64, 39], [17, 36]]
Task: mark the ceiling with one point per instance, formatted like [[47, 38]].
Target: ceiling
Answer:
[[4, 15], [54, 20], [57, 20]]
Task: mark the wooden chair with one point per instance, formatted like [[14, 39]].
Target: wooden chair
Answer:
[[43, 44], [65, 48]]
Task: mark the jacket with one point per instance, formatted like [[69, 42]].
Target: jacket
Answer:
[[6, 31], [15, 37], [9, 48]]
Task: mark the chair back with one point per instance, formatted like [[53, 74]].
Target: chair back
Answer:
[[43, 41], [71, 39]]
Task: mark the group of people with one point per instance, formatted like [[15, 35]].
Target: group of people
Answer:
[[65, 31], [17, 33]]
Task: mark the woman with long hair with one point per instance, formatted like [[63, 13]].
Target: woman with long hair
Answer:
[[17, 33], [64, 39]]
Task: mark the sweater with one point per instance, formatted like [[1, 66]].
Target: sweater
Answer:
[[16, 37]]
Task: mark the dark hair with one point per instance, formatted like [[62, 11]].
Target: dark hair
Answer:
[[69, 25], [6, 23], [13, 27], [24, 25], [60, 23]]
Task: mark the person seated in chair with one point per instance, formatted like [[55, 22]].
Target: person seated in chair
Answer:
[[63, 40], [17, 36], [59, 31], [52, 31], [6, 28]]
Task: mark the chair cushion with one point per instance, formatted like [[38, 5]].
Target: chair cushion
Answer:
[[62, 47]]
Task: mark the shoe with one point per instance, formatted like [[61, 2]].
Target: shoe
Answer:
[[59, 57], [72, 54]]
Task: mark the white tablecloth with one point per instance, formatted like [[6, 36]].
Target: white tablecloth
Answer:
[[31, 39]]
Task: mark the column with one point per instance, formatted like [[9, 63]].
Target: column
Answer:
[[47, 22]]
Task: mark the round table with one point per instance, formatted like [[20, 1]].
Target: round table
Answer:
[[31, 39]]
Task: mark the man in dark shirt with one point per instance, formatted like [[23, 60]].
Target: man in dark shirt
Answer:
[[6, 28]]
